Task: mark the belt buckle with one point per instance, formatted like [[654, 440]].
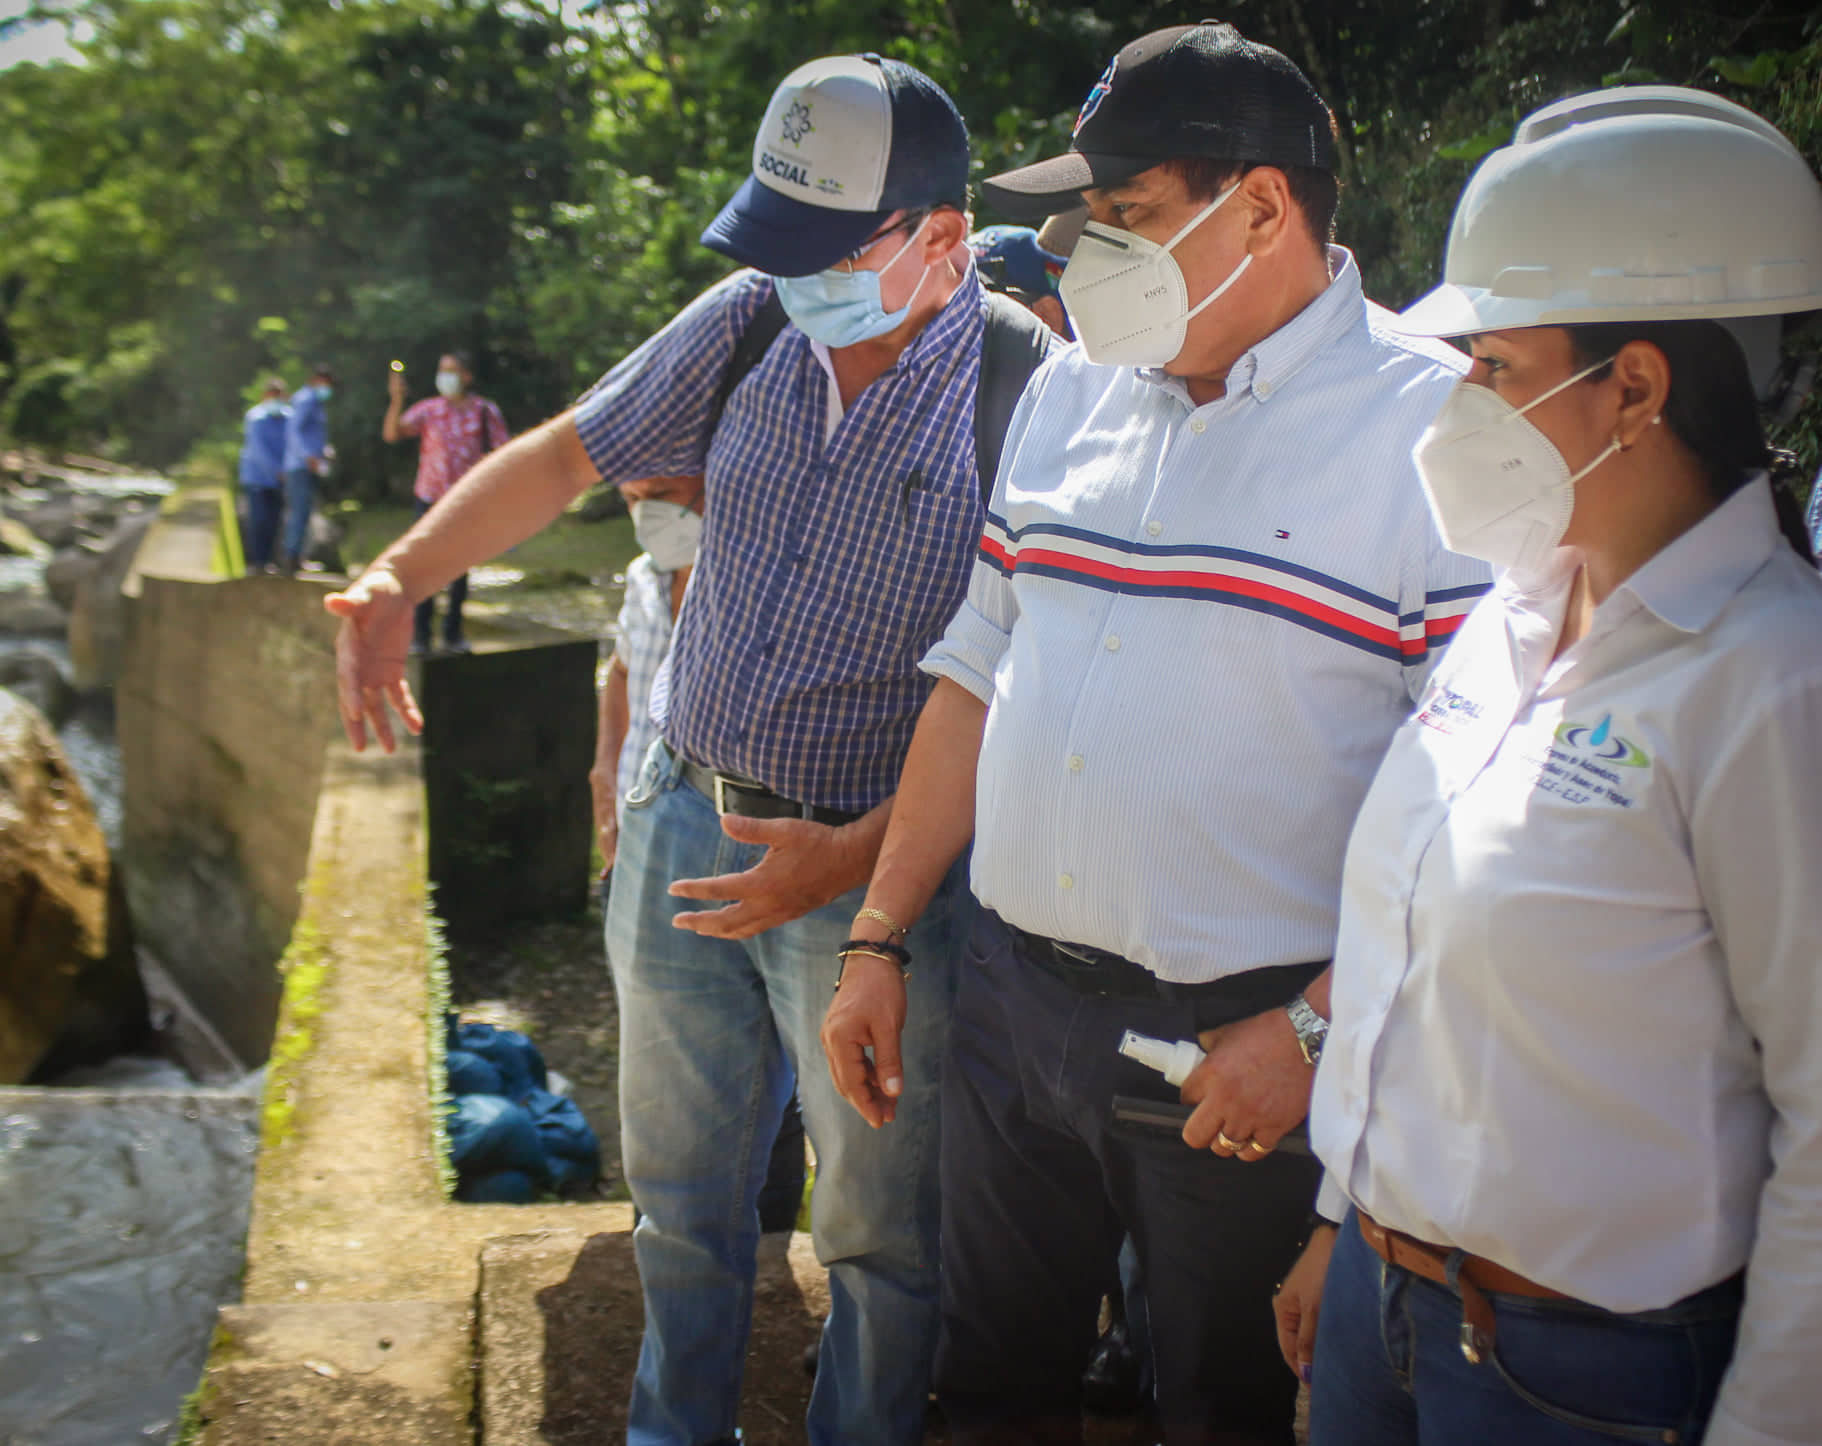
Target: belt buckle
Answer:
[[721, 795], [1075, 954]]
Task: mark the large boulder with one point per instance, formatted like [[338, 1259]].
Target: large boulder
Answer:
[[65, 572], [56, 523], [28, 613], [18, 540], [35, 677], [98, 613], [69, 993]]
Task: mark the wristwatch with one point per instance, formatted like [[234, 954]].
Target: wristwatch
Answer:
[[1312, 1029]]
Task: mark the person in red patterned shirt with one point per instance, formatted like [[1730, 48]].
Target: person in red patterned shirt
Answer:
[[455, 429]]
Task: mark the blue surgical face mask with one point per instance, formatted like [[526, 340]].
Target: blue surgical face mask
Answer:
[[840, 308]]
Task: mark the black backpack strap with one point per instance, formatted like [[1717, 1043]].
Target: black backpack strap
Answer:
[[1013, 346], [753, 344]]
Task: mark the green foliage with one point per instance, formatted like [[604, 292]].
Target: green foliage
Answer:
[[230, 187]]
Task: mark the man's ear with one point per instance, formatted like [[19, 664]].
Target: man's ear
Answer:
[[943, 232], [1271, 212]]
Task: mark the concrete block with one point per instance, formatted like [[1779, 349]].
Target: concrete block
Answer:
[[384, 1372], [509, 737]]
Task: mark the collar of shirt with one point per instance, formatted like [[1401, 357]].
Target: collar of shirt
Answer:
[[913, 356], [1273, 360], [1690, 581], [1685, 585]]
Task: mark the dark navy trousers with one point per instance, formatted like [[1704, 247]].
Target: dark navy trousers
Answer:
[[1039, 1187]]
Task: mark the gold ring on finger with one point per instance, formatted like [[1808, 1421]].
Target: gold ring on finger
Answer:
[[1255, 1145], [1222, 1140]]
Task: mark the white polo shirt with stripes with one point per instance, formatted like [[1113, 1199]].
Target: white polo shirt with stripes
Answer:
[[1197, 629]]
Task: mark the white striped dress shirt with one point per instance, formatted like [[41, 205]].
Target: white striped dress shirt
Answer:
[[1197, 628]]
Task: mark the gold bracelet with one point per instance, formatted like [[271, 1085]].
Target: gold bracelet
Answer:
[[881, 917], [841, 967]]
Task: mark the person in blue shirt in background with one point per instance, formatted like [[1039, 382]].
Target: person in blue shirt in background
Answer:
[[262, 460], [306, 459]]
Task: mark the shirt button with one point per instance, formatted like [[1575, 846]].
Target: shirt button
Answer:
[[1065, 881], [1113, 643], [1075, 763], [1264, 389], [1197, 425], [1154, 528]]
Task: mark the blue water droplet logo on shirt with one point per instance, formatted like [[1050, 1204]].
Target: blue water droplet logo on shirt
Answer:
[[1599, 736]]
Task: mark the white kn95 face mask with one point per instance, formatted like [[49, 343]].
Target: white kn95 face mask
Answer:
[[1128, 298], [1497, 486]]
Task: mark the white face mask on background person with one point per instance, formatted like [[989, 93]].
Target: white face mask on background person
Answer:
[[840, 308], [449, 383], [1497, 486], [669, 531], [1127, 297]]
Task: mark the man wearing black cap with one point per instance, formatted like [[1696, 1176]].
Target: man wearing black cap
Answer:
[[843, 509], [1207, 594]]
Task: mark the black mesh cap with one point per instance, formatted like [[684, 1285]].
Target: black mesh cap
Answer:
[[1191, 90]]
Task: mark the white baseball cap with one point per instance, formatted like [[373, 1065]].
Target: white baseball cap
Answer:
[[847, 141]]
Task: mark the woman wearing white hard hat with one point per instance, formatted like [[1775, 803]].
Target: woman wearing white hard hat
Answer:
[[1570, 1102]]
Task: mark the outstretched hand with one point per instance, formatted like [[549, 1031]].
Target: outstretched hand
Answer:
[[370, 652], [805, 866]]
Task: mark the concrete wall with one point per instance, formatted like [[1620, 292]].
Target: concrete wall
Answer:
[[225, 706]]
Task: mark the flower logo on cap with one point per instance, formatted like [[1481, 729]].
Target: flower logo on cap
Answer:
[[796, 123], [1097, 95]]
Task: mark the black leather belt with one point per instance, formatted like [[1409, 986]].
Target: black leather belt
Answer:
[[1107, 975], [733, 794]]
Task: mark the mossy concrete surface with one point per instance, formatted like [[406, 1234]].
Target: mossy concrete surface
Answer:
[[350, 1230]]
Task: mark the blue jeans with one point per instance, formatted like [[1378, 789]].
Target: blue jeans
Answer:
[[1389, 1369], [300, 497], [712, 1031]]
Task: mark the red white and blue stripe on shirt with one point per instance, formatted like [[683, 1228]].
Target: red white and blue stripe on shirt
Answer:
[[1327, 605]]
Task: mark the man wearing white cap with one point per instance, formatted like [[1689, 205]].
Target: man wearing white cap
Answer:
[[843, 512]]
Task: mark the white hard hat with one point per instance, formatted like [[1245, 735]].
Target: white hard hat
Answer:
[[1639, 203]]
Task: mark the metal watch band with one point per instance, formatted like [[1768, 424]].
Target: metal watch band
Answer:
[[1312, 1029]]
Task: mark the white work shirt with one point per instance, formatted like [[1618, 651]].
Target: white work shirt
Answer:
[[1197, 628], [1578, 985]]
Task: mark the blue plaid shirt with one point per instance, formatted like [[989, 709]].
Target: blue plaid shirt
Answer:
[[826, 571]]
